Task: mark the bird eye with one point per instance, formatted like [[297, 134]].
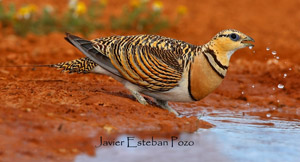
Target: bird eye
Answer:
[[234, 37]]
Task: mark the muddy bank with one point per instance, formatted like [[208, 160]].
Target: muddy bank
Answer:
[[68, 112]]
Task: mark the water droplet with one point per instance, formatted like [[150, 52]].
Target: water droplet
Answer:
[[280, 86], [253, 86], [268, 48], [243, 92], [278, 101], [284, 75], [290, 69], [250, 47], [268, 115], [274, 52], [277, 57]]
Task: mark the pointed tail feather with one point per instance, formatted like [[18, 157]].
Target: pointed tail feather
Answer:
[[81, 65], [32, 66]]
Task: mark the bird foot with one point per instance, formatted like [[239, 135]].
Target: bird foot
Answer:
[[164, 105], [138, 97], [161, 103]]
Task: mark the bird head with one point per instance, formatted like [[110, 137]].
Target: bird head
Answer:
[[231, 40]]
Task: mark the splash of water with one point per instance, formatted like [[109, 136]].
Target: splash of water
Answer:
[[284, 75], [280, 86]]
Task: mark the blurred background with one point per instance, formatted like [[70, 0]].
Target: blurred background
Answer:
[[271, 23]]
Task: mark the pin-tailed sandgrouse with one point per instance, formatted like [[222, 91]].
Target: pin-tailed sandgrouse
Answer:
[[163, 68]]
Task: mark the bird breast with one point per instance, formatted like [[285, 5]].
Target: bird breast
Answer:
[[203, 78]]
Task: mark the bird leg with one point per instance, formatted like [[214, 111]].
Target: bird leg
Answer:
[[161, 103], [138, 97], [164, 104]]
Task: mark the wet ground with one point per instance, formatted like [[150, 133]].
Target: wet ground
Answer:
[[240, 138], [46, 115]]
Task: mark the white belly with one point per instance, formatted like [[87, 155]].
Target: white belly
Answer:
[[179, 93]]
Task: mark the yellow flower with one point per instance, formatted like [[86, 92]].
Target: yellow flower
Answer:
[[26, 12], [80, 8], [135, 3], [157, 5], [181, 10]]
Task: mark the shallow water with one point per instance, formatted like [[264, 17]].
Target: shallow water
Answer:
[[235, 138], [259, 141]]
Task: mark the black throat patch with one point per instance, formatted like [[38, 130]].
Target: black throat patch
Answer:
[[214, 62]]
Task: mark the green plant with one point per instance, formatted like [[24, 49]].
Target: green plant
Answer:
[[85, 19], [6, 17], [47, 22], [78, 18], [25, 19], [140, 17], [29, 18]]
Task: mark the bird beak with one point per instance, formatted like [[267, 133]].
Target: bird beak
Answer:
[[246, 41]]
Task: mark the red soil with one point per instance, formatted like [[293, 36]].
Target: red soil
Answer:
[[48, 115]]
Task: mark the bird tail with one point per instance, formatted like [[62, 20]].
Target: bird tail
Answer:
[[87, 48], [81, 65]]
